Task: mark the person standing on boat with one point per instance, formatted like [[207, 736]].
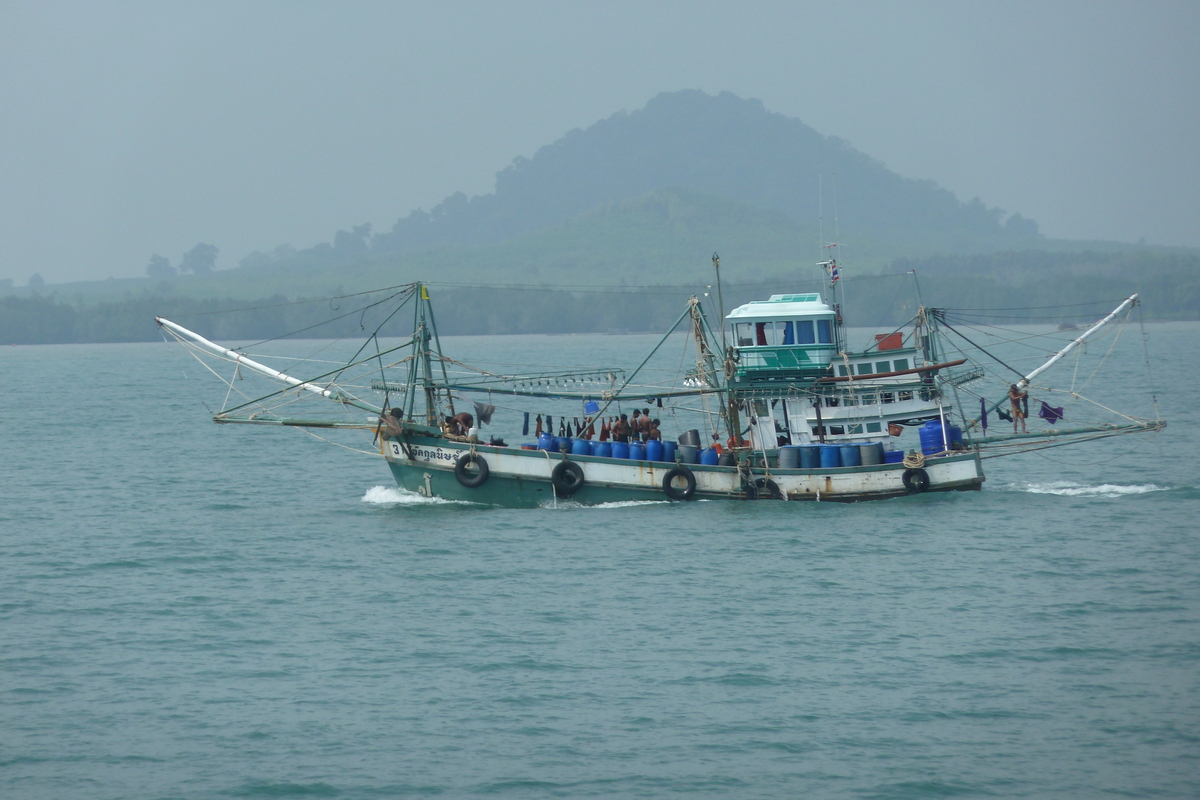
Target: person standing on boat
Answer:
[[635, 426], [1015, 399], [644, 425], [620, 430], [654, 434]]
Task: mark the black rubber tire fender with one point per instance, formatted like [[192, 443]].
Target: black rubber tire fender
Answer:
[[567, 478], [471, 480], [916, 480], [763, 487], [685, 492]]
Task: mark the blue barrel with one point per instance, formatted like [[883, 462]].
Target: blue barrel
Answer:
[[564, 444], [669, 452], [602, 449], [851, 457], [893, 456], [831, 455], [620, 449], [637, 451], [581, 447], [810, 456], [689, 454], [931, 437], [654, 450], [548, 443], [710, 456], [954, 434], [789, 457], [870, 453]]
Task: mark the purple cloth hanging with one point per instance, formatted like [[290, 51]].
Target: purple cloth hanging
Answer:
[[983, 414], [1050, 414]]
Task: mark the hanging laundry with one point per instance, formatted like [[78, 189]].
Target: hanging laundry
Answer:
[[525, 427], [1050, 414], [562, 427], [1002, 414], [483, 412], [538, 432], [578, 428], [983, 420], [549, 424], [604, 431]]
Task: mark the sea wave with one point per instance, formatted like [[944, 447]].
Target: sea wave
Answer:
[[1072, 489]]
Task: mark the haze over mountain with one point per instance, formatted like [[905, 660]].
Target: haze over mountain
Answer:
[[722, 147]]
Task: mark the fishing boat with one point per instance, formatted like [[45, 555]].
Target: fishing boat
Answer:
[[789, 410]]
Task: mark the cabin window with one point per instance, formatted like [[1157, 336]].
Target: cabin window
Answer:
[[805, 330], [764, 333], [883, 366], [850, 400], [900, 364], [837, 430], [786, 333], [824, 331], [745, 334], [842, 370], [888, 397], [865, 369], [855, 429], [874, 427], [818, 430]]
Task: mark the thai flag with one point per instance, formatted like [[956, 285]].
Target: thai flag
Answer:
[[833, 272]]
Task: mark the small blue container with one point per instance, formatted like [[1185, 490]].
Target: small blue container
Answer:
[[710, 456], [548, 443], [893, 456], [564, 444], [810, 456], [954, 434], [581, 447], [654, 450], [620, 449], [831, 455], [637, 451], [669, 452], [851, 456], [602, 449]]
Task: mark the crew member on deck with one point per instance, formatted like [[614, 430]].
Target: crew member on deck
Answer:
[[655, 434], [1015, 398], [461, 424], [635, 426], [620, 429], [644, 425]]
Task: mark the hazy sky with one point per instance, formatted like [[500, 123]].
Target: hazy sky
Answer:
[[128, 129]]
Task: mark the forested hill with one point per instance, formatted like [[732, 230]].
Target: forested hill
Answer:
[[723, 146]]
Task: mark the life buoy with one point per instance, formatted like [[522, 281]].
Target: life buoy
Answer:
[[761, 488], [567, 478], [916, 480], [684, 492], [471, 479]]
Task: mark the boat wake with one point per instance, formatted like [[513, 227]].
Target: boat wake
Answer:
[[392, 496], [1070, 489], [615, 504]]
